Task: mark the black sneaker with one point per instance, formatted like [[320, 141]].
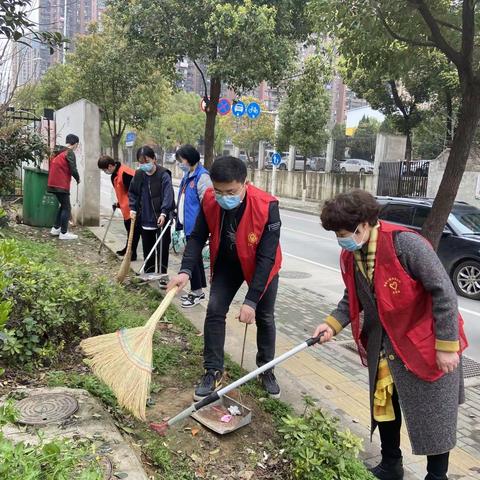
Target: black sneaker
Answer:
[[209, 383], [388, 469], [133, 258], [269, 383], [191, 300], [121, 252]]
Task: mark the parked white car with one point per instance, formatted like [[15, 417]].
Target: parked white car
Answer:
[[356, 165]]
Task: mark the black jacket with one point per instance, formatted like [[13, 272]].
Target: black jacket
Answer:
[[161, 192]]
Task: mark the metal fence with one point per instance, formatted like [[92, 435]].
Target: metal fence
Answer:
[[403, 179]]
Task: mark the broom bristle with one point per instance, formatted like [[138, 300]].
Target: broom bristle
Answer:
[[122, 360]]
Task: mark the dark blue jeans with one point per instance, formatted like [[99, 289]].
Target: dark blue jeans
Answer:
[[63, 215], [226, 281]]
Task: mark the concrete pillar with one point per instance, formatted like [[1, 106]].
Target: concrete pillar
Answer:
[[235, 151], [261, 155], [291, 159], [329, 155], [82, 118]]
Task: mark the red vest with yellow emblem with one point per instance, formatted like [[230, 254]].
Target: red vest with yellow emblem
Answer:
[[249, 231], [404, 308], [121, 191]]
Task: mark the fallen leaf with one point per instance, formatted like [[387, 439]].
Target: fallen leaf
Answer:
[[215, 452], [196, 458], [120, 475], [195, 431]]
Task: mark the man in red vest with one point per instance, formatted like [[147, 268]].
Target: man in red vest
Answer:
[[242, 224], [410, 334], [121, 177], [62, 168]]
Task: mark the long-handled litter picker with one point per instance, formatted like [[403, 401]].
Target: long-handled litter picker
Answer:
[[155, 246], [161, 428], [106, 231]]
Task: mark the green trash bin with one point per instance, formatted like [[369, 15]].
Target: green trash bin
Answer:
[[39, 206]]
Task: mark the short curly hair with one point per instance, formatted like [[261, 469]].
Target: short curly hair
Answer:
[[348, 210]]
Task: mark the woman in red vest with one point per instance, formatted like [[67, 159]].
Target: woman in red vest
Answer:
[[62, 168], [411, 334], [121, 177], [243, 225]]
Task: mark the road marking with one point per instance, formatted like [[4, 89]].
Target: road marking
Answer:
[[464, 310], [306, 233], [316, 222], [470, 312], [312, 262]]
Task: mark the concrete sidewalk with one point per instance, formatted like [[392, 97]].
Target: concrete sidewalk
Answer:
[[331, 374]]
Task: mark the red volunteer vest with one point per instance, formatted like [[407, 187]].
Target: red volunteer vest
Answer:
[[121, 190], [404, 308], [249, 231], [59, 175]]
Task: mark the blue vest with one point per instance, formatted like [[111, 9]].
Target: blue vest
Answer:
[[192, 205]]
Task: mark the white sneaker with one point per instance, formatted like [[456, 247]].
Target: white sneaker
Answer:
[[55, 231], [67, 236]]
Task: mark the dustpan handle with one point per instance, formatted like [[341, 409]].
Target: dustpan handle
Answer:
[[155, 246], [213, 397]]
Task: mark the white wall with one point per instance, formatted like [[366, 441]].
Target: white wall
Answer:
[[469, 190], [82, 118]]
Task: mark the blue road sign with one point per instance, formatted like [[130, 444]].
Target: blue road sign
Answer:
[[238, 109], [224, 106], [130, 139], [276, 159], [253, 110]]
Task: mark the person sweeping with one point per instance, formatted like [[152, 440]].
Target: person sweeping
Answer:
[[121, 177], [151, 196], [411, 336], [242, 223]]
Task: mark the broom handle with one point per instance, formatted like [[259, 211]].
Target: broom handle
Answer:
[[213, 397], [128, 253], [106, 232], [155, 246], [158, 313]]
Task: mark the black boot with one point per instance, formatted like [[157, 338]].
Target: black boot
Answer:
[[388, 469], [431, 476]]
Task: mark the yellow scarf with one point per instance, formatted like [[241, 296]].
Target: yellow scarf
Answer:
[[382, 399]]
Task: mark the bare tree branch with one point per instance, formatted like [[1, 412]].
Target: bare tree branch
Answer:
[[448, 25], [396, 98], [437, 36]]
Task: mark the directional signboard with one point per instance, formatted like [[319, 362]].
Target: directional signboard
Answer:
[[130, 139], [276, 159]]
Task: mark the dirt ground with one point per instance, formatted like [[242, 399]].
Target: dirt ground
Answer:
[[249, 453]]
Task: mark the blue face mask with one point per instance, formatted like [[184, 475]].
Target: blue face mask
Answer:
[[146, 167], [349, 243], [228, 202], [184, 168]]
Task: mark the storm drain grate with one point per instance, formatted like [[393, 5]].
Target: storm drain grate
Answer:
[[471, 368]]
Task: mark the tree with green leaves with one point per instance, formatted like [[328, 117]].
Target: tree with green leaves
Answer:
[[242, 43], [363, 140], [305, 112], [127, 87], [418, 26]]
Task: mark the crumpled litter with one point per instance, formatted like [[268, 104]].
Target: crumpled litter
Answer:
[[234, 410], [226, 418]]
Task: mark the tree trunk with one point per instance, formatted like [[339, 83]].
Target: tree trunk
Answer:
[[408, 148], [115, 144], [211, 117], [449, 122], [469, 116]]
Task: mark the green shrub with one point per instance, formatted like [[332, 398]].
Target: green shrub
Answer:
[[59, 459], [319, 451], [45, 308]]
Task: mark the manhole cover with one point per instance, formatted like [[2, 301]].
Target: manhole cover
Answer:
[[294, 275], [46, 408], [107, 467], [471, 368]]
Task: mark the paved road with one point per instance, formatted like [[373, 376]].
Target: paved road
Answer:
[[309, 249]]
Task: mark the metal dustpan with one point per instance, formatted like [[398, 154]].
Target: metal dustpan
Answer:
[[210, 416]]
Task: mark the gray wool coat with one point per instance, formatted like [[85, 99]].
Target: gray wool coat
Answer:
[[429, 409]]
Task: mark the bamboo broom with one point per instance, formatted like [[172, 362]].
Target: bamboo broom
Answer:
[[123, 360], [125, 266]]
